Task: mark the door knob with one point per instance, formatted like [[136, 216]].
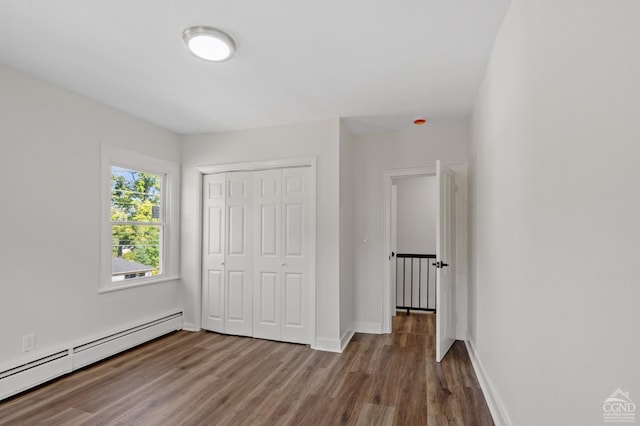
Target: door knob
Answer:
[[222, 263], [282, 264]]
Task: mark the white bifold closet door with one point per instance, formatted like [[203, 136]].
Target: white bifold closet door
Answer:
[[281, 254], [266, 227], [227, 253], [238, 272], [213, 252]]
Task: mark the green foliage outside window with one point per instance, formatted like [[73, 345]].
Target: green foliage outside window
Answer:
[[135, 197]]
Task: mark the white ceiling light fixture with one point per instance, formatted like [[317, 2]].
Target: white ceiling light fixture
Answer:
[[209, 43]]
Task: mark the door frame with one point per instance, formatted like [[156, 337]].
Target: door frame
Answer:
[[387, 181], [257, 166]]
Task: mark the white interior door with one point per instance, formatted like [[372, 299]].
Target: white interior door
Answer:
[[296, 251], [213, 244], [267, 249], [445, 267], [238, 259], [394, 249]]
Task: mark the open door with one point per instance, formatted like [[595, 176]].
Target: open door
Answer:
[[394, 248], [445, 258]]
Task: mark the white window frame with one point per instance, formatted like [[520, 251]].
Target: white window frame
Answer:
[[170, 173]]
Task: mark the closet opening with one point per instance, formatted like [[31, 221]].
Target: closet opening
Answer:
[[258, 250]]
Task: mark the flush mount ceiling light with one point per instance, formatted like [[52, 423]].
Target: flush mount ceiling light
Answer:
[[419, 121], [209, 43]]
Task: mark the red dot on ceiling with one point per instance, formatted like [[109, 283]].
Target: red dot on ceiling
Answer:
[[419, 121]]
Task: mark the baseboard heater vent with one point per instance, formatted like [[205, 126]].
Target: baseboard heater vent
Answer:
[[33, 364], [125, 333], [22, 377], [98, 349]]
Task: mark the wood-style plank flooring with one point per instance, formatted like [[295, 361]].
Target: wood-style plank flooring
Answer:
[[211, 379]]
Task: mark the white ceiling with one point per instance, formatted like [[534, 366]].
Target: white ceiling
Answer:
[[380, 62]]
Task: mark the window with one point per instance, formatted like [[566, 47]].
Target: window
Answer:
[[137, 223], [140, 218]]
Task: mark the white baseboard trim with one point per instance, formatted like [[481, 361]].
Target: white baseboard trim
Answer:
[[346, 338], [327, 345], [496, 406], [369, 327], [43, 367], [187, 326]]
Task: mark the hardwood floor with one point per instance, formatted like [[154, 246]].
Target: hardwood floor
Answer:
[[209, 379]]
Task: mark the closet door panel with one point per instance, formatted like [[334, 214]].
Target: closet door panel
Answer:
[[267, 242], [268, 228], [295, 257], [237, 230], [213, 227], [268, 314], [238, 260], [294, 233], [237, 292], [215, 232], [215, 296], [293, 289]]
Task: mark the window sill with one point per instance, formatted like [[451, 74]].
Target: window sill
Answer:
[[109, 289]]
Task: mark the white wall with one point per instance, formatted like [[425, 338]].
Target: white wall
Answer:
[[346, 231], [416, 221], [320, 139], [50, 214], [555, 217], [417, 147]]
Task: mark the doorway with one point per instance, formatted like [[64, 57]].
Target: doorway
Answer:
[[448, 323], [413, 243], [388, 266]]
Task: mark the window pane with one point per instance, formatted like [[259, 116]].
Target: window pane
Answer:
[[135, 251], [135, 196]]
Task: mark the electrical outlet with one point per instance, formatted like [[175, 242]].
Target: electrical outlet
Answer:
[[28, 342]]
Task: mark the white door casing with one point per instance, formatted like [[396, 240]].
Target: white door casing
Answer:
[[213, 252], [445, 261]]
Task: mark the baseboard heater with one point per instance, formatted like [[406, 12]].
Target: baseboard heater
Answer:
[[22, 377]]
